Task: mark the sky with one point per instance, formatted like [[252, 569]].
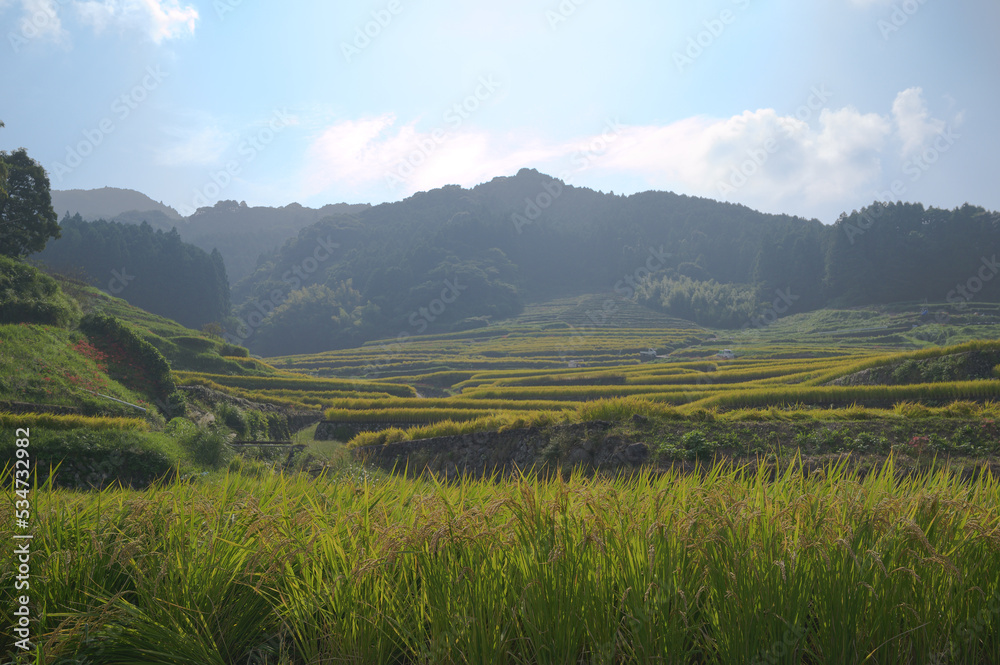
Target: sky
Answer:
[[810, 108]]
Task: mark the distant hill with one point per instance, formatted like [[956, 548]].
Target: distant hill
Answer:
[[453, 258], [240, 233], [108, 203]]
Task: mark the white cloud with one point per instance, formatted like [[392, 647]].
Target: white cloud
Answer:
[[39, 19], [760, 158], [916, 127], [199, 147], [159, 19], [166, 19], [357, 154]]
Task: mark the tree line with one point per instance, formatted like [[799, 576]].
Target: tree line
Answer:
[[530, 238], [150, 268]]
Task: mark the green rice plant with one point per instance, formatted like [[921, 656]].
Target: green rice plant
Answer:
[[381, 437], [619, 409], [63, 422], [726, 565], [297, 383], [991, 346], [407, 415], [493, 422], [448, 403], [337, 605], [847, 395]]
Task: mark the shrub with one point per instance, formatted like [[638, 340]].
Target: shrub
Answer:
[[30, 296], [234, 418], [866, 442], [207, 447], [697, 446], [277, 426], [257, 425]]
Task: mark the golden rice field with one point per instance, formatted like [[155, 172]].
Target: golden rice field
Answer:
[[497, 382], [725, 565], [722, 568], [554, 359]]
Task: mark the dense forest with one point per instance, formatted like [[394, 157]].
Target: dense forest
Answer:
[[151, 268], [529, 237], [240, 232], [454, 258]]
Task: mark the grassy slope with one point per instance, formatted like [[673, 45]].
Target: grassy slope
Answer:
[[184, 349], [42, 365]]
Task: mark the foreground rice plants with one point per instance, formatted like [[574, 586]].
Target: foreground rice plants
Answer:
[[713, 568]]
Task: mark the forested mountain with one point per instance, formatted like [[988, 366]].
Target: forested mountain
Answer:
[[240, 232], [150, 268], [109, 203], [455, 258]]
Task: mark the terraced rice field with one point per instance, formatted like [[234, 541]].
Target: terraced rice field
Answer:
[[555, 359]]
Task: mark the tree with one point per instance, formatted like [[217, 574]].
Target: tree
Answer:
[[27, 220], [3, 174]]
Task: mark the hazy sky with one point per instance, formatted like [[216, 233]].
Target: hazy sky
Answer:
[[810, 107]]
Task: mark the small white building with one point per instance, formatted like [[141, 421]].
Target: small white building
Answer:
[[727, 354]]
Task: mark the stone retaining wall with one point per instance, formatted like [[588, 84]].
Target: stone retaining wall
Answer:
[[483, 453]]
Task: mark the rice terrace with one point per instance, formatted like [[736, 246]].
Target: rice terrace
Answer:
[[536, 332], [825, 496]]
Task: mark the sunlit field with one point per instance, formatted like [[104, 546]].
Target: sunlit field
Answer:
[[721, 562], [719, 567]]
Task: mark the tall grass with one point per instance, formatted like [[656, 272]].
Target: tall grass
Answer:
[[721, 567], [70, 421]]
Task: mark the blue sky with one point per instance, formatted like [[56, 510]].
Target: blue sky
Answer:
[[810, 108]]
